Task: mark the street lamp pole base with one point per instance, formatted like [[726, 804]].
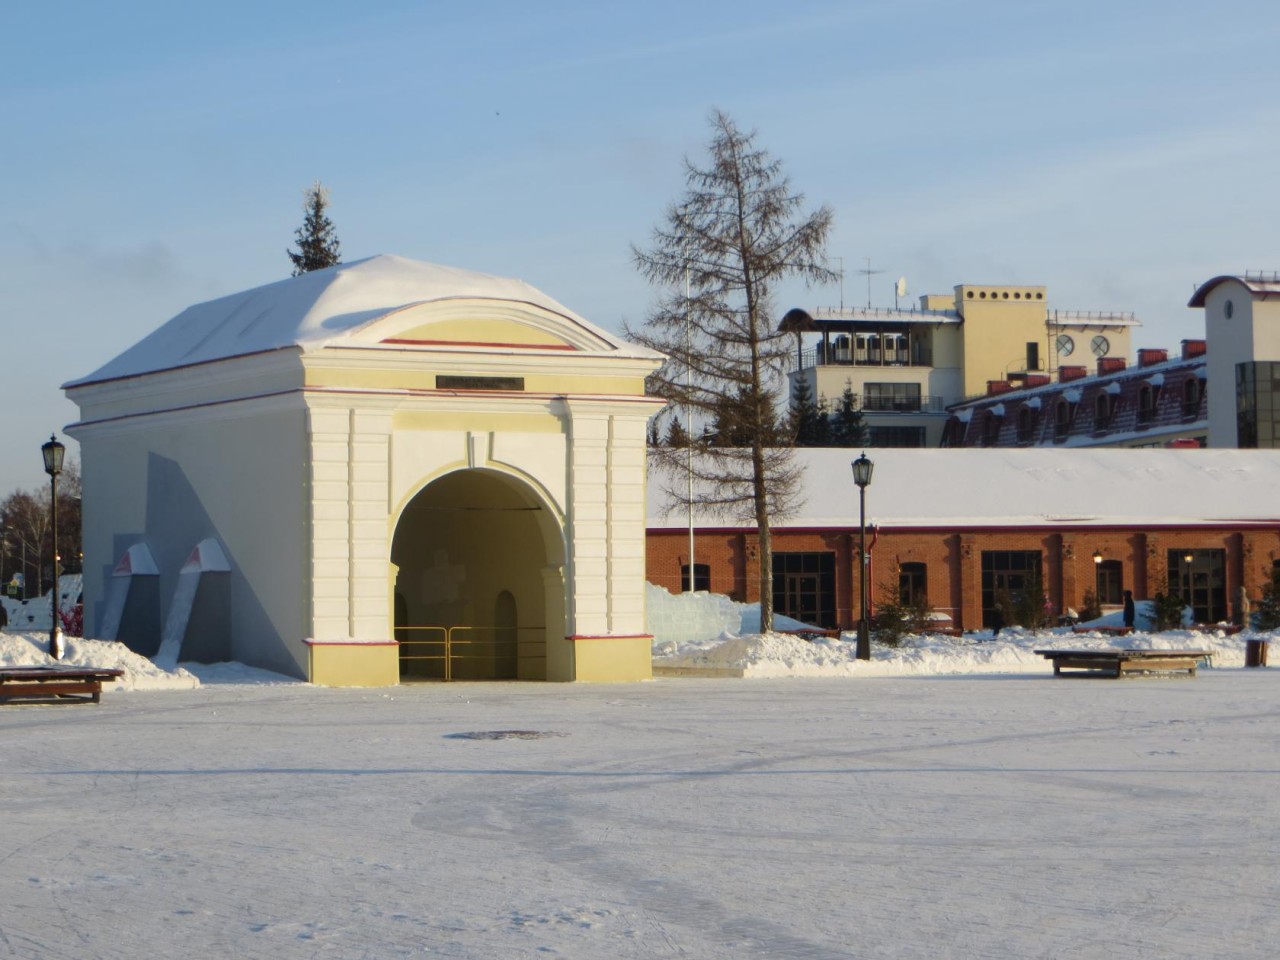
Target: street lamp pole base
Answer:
[[864, 641]]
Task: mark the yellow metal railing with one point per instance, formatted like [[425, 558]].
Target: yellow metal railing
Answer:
[[466, 652]]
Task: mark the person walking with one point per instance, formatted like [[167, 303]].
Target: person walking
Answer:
[[1129, 610]]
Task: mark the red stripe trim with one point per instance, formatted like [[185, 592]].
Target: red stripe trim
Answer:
[[610, 636], [351, 643], [401, 341]]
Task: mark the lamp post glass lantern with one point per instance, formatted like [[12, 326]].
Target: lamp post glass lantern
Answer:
[[53, 453], [862, 468]]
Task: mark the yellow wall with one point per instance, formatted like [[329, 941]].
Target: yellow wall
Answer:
[[999, 321], [353, 664], [481, 330], [424, 378], [614, 659]]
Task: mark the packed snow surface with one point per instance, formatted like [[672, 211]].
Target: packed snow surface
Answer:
[[908, 810], [1003, 817]]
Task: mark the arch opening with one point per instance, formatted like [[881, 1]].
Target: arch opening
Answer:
[[477, 557]]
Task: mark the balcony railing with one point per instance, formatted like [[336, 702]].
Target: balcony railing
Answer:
[[879, 404], [918, 356]]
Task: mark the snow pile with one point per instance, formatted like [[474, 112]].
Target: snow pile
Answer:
[[779, 655], [33, 614], [31, 649], [678, 619]]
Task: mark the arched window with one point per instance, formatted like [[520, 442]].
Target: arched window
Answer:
[[701, 577], [1191, 393], [1026, 425], [991, 429], [1104, 408], [913, 582], [1110, 582], [1062, 420], [1146, 403]]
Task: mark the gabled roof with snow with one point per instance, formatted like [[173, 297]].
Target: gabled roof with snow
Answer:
[[337, 306], [1023, 487]]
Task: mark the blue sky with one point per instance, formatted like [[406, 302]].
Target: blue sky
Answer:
[[155, 153]]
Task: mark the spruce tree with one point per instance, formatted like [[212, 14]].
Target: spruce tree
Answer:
[[317, 240], [848, 429], [677, 435], [807, 420], [737, 233], [1267, 613]]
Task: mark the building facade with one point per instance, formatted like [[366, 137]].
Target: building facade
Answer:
[[961, 527], [906, 367], [1242, 326], [406, 470]]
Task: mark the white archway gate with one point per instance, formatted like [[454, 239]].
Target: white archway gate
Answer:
[[470, 554]]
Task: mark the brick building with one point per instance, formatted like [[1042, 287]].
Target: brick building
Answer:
[[961, 526]]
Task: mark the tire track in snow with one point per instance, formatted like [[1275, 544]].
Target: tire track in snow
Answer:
[[523, 816]]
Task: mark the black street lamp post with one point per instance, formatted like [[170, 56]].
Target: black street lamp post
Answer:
[[53, 453], [862, 468]]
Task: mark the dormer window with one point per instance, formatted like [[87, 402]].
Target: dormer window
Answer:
[[991, 429], [1104, 408], [1026, 425], [1192, 391], [1146, 404], [1063, 414]]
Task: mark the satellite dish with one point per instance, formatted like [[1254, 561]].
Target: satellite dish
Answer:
[[901, 288]]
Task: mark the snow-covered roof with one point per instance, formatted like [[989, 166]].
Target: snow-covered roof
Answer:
[[322, 308], [1025, 487]]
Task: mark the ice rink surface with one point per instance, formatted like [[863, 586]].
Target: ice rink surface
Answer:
[[966, 817]]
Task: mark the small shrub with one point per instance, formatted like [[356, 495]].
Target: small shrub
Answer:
[[897, 616], [1090, 608], [1267, 614], [1167, 607], [1030, 609]]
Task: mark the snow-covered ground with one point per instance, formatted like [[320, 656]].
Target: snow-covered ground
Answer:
[[1001, 816], [949, 799], [700, 631]]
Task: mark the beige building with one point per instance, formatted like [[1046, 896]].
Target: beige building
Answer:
[[1242, 325], [905, 367], [382, 451]]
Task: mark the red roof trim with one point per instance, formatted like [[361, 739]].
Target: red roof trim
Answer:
[[943, 526]]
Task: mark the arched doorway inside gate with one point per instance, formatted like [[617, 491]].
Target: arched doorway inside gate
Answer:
[[477, 556]]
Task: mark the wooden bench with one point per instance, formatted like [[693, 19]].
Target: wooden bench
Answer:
[[1119, 663], [77, 684]]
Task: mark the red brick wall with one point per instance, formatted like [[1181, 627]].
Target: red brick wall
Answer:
[[954, 561]]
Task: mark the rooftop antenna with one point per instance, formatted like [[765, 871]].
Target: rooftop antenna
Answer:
[[868, 272], [899, 290]]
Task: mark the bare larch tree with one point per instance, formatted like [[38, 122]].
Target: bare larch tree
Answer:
[[737, 232]]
